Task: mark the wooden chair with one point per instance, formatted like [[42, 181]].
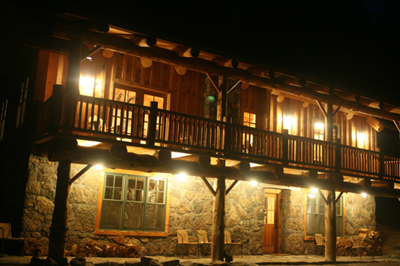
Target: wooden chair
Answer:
[[229, 243], [6, 236], [358, 243], [183, 240], [319, 240], [203, 241]]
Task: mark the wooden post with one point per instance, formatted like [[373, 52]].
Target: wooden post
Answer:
[[285, 146], [227, 135], [221, 103], [338, 156], [330, 211], [151, 131], [218, 230], [58, 229], [74, 71], [56, 108]]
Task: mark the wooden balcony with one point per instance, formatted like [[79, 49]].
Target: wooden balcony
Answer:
[[107, 121]]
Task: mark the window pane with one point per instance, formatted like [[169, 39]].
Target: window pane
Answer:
[[160, 197], [119, 95], [110, 214], [133, 215], [140, 183], [110, 181], [161, 184], [311, 224], [118, 181], [152, 184], [270, 217], [151, 197], [130, 96], [108, 193], [117, 194], [155, 217], [131, 182], [139, 195], [130, 194], [321, 224]]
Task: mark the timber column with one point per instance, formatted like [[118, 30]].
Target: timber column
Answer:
[[58, 229], [218, 230], [330, 211]]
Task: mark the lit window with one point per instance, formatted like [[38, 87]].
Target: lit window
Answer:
[[249, 119], [290, 124], [133, 203], [319, 131]]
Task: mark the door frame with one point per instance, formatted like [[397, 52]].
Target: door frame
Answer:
[[278, 217]]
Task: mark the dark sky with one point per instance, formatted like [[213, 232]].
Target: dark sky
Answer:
[[352, 43]]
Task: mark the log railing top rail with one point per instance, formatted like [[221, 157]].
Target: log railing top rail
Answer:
[[111, 121]]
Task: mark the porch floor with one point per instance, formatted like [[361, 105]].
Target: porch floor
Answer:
[[266, 259]]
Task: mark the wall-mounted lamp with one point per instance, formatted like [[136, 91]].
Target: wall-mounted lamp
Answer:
[[314, 192], [253, 183], [99, 167], [364, 195], [181, 176]]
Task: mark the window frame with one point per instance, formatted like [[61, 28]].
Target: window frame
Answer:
[[343, 208], [100, 231]]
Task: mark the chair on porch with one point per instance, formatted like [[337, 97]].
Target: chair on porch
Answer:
[[229, 243], [319, 240], [6, 237], [359, 243], [183, 240], [203, 241]]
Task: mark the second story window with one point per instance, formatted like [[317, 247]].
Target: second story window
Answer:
[[249, 119], [319, 130], [22, 103], [3, 114]]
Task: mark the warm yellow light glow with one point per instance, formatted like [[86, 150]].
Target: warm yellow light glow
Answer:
[[311, 195], [361, 139], [253, 183], [99, 167], [314, 191], [86, 86], [181, 176], [178, 154], [255, 164], [364, 195], [87, 143], [287, 122], [319, 126]]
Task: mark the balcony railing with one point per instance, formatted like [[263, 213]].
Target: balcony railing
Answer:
[[106, 120]]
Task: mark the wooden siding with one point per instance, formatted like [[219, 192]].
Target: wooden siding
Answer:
[[348, 131], [186, 91]]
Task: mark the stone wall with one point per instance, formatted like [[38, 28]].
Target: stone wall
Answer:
[[191, 205], [359, 213]]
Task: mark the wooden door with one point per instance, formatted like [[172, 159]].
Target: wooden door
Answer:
[[271, 224]]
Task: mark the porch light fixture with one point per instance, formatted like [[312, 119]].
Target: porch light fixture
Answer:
[[319, 126], [314, 192], [178, 154], [364, 195], [181, 176], [253, 183], [87, 143], [99, 167]]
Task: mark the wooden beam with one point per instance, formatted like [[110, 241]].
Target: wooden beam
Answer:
[[91, 52], [231, 186], [208, 185], [146, 62], [81, 172], [143, 41], [216, 87], [180, 70], [233, 86], [187, 52], [197, 64], [202, 160]]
